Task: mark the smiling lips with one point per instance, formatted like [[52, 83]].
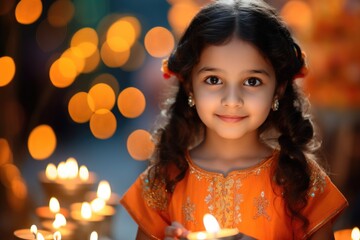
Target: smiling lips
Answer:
[[230, 118]]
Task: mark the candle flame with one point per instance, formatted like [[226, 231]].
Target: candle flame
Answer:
[[59, 221], [201, 235], [57, 235], [210, 223], [33, 229], [86, 210], [355, 234], [39, 236], [51, 172], [54, 205], [72, 167], [94, 235], [84, 173], [62, 170], [104, 190], [97, 204]]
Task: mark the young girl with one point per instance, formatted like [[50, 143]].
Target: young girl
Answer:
[[238, 143]]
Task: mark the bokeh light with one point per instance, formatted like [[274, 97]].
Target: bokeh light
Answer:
[[159, 42], [75, 55], [103, 96], [81, 107], [180, 15], [92, 62], [28, 11], [5, 152], [139, 145], [121, 36], [103, 124], [61, 12], [298, 15], [136, 59], [42, 142], [108, 79], [63, 72], [131, 102], [114, 59], [86, 39], [7, 66]]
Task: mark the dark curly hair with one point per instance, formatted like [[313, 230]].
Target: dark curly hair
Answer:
[[255, 22]]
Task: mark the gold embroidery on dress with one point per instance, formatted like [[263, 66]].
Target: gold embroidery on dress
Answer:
[[155, 197], [318, 182], [261, 203], [188, 210], [224, 196]]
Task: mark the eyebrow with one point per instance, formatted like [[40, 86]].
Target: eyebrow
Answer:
[[213, 69]]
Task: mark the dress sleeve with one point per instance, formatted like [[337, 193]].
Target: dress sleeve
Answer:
[[325, 203], [147, 206]]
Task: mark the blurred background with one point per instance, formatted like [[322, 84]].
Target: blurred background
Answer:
[[81, 79]]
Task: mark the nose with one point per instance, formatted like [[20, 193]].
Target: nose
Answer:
[[232, 97]]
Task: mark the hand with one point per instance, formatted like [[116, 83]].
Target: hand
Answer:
[[175, 231]]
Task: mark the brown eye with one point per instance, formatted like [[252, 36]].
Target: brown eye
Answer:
[[253, 82], [213, 80]]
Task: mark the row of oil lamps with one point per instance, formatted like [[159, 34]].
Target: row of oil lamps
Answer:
[[84, 214]]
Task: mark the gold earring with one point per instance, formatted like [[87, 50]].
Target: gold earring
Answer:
[[275, 105], [191, 101]]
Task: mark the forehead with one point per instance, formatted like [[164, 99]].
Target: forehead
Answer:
[[235, 53]]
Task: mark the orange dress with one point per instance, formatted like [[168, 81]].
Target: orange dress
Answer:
[[244, 199]]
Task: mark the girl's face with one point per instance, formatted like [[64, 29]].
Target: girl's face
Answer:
[[233, 89]]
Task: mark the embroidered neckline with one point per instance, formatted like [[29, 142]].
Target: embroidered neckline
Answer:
[[265, 163]]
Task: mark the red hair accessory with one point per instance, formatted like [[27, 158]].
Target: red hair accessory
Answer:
[[304, 70], [165, 69]]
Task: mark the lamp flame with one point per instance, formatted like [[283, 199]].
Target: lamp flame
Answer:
[[39, 236], [355, 234], [211, 224], [50, 171], [59, 221], [84, 173], [97, 204], [104, 190], [33, 229], [72, 167], [54, 205], [94, 235], [57, 235], [86, 210]]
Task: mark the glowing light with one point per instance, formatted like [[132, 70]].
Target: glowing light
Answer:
[[131, 102], [210, 223], [72, 168], [86, 212], [62, 171], [28, 11], [121, 36], [92, 62], [5, 152], [81, 107], [54, 205], [103, 96], [7, 66], [104, 190], [41, 142], [180, 15], [94, 235], [59, 221], [97, 204], [51, 172], [86, 39], [112, 58], [297, 14], [57, 235], [136, 59], [33, 229], [39, 236], [83, 173], [108, 79], [355, 234], [75, 55], [159, 42], [103, 124], [63, 72], [139, 145]]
